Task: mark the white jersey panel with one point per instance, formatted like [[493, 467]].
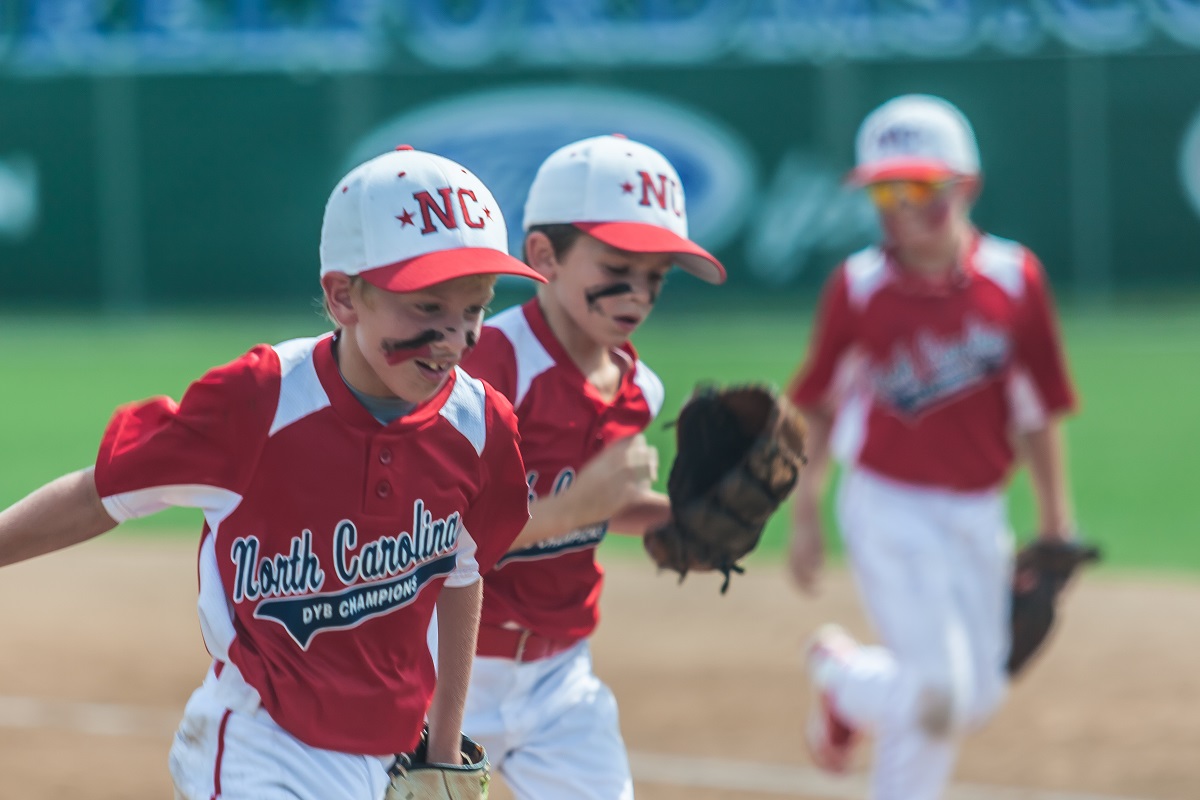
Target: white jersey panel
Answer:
[[1002, 261], [466, 568], [532, 359], [651, 386], [866, 271], [300, 390], [851, 395], [216, 616], [464, 409], [212, 603]]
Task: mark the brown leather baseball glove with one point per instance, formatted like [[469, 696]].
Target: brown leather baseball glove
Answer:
[[739, 452], [1042, 570]]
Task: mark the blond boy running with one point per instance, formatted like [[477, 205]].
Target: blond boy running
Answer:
[[938, 356], [349, 483]]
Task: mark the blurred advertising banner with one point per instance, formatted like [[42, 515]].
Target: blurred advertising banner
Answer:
[[202, 35], [158, 152]]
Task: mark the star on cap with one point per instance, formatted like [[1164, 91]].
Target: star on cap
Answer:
[[628, 187], [405, 218]]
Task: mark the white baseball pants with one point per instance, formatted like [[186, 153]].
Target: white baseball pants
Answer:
[[550, 727], [228, 748], [933, 568]]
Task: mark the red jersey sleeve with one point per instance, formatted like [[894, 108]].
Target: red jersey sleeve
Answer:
[[499, 513], [1039, 345], [833, 335], [494, 361], [159, 453]]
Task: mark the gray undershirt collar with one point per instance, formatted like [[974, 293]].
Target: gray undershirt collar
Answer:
[[385, 409]]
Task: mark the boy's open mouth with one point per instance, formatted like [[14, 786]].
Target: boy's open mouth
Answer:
[[433, 370]]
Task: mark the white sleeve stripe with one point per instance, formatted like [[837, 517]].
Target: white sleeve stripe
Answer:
[[1025, 403], [216, 502]]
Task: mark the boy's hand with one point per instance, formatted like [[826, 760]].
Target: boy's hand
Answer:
[[616, 477]]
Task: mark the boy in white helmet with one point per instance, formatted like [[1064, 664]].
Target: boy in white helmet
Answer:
[[348, 482], [936, 350], [604, 223]]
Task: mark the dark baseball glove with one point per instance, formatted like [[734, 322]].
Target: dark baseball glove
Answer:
[[414, 778], [1042, 570], [739, 451]]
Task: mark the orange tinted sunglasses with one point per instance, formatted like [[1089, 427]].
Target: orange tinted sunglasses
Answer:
[[888, 195]]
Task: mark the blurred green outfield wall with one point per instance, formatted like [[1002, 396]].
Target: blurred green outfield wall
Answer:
[[179, 152]]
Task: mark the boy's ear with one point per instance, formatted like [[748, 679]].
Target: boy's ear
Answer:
[[338, 298], [539, 254], [972, 186]]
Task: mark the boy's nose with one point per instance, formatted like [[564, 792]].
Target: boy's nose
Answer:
[[644, 289], [460, 337]]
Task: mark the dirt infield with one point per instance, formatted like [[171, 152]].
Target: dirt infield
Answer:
[[99, 649]]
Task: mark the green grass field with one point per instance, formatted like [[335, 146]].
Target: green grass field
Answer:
[[1133, 446]]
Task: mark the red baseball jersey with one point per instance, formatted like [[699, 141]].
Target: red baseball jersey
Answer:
[[553, 587], [327, 535], [935, 378]]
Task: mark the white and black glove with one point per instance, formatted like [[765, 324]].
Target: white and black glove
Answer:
[[414, 778]]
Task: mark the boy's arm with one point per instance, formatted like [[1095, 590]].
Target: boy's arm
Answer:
[[64, 512], [807, 552], [458, 626], [549, 516], [648, 511], [1040, 353], [1045, 451], [834, 334], [612, 481]]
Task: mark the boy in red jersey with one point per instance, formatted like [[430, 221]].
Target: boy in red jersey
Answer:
[[936, 349], [604, 222], [348, 482]]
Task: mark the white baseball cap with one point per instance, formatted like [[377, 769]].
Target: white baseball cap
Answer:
[[622, 192], [915, 137], [407, 220]]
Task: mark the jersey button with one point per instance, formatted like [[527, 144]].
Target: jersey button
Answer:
[[385, 456], [383, 489]]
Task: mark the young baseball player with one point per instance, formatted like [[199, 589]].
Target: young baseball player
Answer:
[[348, 482], [935, 352], [604, 223]]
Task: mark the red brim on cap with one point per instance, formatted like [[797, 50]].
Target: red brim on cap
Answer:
[[901, 169], [640, 237], [421, 272]]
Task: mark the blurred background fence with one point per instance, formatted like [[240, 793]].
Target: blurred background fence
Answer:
[[167, 153]]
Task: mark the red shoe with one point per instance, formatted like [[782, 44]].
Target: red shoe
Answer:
[[830, 738]]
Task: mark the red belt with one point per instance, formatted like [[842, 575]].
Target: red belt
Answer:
[[519, 645]]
